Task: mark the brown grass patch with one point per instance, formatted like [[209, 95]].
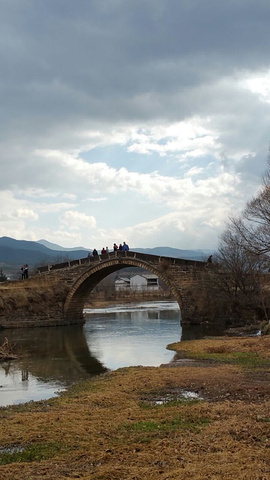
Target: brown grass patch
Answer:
[[259, 345], [102, 429], [29, 294], [35, 281]]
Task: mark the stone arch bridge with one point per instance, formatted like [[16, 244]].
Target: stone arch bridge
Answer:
[[74, 280]]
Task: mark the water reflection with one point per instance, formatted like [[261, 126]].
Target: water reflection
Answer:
[[135, 337], [200, 331], [53, 358]]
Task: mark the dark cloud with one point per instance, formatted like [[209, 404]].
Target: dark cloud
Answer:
[[76, 74]]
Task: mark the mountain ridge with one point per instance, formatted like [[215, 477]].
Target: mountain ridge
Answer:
[[54, 246], [14, 253]]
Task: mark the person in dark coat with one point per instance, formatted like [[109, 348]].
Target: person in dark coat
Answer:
[[26, 271]]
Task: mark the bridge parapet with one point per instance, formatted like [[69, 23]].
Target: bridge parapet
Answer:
[[152, 259]]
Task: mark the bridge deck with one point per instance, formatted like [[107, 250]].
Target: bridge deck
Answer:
[[120, 254]]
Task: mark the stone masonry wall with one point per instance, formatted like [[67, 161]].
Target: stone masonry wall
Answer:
[[57, 295]]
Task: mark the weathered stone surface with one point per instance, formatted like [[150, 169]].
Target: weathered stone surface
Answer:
[[56, 294]]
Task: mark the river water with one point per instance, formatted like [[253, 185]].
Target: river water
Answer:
[[53, 358]]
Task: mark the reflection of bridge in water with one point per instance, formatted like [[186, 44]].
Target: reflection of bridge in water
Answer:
[[51, 354], [186, 280]]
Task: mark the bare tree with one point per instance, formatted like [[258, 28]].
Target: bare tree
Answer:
[[244, 255], [253, 228], [240, 268]]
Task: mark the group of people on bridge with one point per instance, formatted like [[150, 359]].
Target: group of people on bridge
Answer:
[[122, 247]]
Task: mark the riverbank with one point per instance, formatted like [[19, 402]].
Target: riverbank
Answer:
[[123, 298], [205, 415]]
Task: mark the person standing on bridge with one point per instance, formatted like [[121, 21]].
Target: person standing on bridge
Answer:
[[95, 253], [125, 247]]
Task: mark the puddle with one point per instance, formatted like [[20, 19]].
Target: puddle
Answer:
[[14, 449], [191, 395], [184, 395], [174, 397]]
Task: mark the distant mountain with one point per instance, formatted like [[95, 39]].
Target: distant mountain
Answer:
[[15, 253], [54, 246], [176, 253]]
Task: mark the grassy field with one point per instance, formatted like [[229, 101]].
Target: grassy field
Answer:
[[205, 416]]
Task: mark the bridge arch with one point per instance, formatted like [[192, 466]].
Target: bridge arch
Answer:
[[75, 300]]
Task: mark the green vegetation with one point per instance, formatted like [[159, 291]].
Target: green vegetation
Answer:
[[263, 419], [30, 453], [248, 360], [177, 423]]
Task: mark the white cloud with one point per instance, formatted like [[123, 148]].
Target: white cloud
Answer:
[[73, 219], [95, 199], [23, 214], [259, 84], [194, 171], [26, 214], [189, 138]]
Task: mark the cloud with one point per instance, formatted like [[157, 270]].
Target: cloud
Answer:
[[96, 199], [125, 116], [74, 219], [194, 171]]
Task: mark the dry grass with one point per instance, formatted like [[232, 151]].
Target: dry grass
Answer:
[[257, 345], [35, 281], [29, 294], [115, 428]]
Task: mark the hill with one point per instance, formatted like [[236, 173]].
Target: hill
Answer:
[[164, 251], [15, 253], [176, 252], [54, 246]]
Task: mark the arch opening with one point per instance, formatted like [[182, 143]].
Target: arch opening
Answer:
[[86, 283]]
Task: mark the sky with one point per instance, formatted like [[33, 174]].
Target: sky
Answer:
[[145, 121]]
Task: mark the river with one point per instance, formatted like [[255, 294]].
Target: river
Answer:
[[53, 358]]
